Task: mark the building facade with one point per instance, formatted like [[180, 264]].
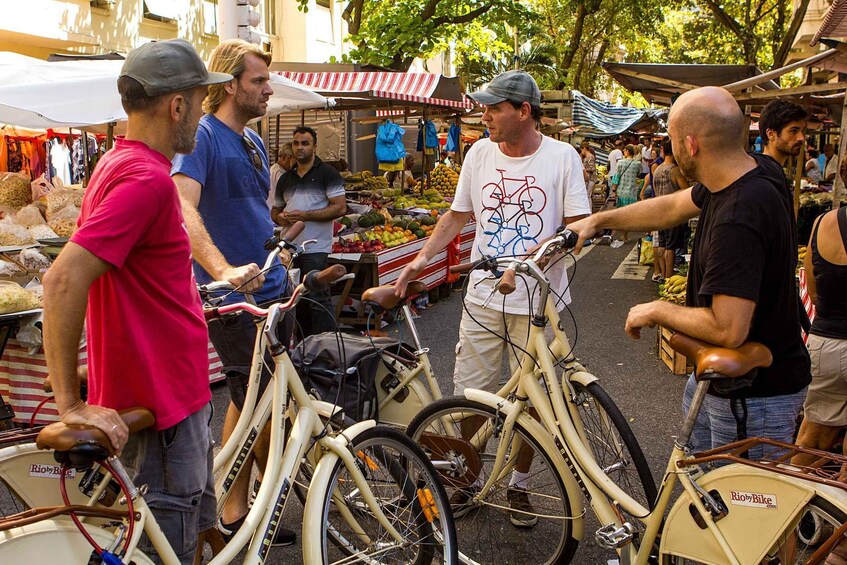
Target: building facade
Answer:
[[39, 28]]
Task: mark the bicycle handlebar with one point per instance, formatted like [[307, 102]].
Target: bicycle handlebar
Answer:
[[316, 281], [278, 242], [565, 239]]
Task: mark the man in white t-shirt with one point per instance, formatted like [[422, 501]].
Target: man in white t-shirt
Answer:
[[615, 155], [646, 149], [520, 186]]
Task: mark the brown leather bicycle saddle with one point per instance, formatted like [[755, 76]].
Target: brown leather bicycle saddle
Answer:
[[713, 362], [384, 297], [63, 437]]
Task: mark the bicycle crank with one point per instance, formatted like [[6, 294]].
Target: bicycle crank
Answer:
[[457, 462]]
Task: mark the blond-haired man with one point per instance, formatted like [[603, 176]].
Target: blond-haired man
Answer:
[[224, 185]]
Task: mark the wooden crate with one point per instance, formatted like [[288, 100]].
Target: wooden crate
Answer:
[[676, 362]]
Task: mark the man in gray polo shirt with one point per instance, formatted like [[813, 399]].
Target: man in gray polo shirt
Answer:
[[313, 193]]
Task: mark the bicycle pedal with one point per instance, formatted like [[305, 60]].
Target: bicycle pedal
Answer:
[[612, 536]]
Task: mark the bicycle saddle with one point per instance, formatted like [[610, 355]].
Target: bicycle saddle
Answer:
[[713, 362], [75, 442], [383, 296]]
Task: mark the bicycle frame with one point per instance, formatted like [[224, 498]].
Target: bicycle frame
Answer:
[[284, 460], [558, 424], [424, 391]]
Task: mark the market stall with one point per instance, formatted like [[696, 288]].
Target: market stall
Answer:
[[37, 216], [384, 267], [391, 224]]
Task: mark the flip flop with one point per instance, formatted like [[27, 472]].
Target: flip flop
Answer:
[[657, 278]]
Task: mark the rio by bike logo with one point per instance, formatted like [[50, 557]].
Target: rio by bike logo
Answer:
[[49, 471], [753, 499]]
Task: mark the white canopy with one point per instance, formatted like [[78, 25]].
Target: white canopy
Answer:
[[40, 94]]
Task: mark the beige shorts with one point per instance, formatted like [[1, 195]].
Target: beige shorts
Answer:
[[826, 402], [479, 353]]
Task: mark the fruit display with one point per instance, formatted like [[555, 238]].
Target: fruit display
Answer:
[[801, 255], [379, 234], [430, 200], [365, 181], [444, 179], [371, 219], [673, 289]]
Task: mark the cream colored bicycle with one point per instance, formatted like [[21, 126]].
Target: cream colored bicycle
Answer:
[[524, 466], [372, 494]]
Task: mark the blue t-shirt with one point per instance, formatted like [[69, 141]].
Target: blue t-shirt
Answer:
[[233, 200]]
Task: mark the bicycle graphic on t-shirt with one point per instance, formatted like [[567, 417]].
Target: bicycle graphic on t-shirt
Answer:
[[512, 210]]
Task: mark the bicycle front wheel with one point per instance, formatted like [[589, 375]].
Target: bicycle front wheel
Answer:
[[613, 444], [408, 491], [527, 506]]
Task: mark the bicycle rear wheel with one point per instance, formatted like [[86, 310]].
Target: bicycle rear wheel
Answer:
[[615, 447], [489, 530], [409, 493]]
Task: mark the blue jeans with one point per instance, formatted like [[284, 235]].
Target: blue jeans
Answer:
[[176, 465], [773, 417]]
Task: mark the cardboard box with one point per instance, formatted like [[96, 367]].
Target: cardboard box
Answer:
[[676, 362]]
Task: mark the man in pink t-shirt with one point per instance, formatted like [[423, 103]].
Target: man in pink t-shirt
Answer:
[[129, 265]]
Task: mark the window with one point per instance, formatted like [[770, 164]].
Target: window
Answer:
[[269, 17], [161, 10], [210, 17]]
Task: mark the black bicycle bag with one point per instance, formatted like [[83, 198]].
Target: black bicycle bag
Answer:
[[343, 369]]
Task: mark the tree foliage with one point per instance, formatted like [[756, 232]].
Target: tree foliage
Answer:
[[392, 33], [563, 42]]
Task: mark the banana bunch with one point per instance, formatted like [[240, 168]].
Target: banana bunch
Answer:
[[801, 254], [673, 289]]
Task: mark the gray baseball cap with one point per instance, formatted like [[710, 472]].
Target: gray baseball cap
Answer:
[[516, 86], [169, 66]]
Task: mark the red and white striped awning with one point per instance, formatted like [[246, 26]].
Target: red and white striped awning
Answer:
[[834, 24], [416, 88]]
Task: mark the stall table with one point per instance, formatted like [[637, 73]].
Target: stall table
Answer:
[[22, 375], [384, 267]]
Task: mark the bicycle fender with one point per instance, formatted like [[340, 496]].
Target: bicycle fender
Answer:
[[350, 433], [546, 440], [583, 377], [761, 504]]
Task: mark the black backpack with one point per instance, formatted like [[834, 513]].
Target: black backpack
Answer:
[[320, 361]]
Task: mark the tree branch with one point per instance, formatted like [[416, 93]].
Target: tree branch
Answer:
[[353, 12], [725, 19], [429, 9], [576, 38], [464, 18], [796, 20]]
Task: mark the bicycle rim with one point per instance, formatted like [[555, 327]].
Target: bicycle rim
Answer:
[[409, 493], [614, 446], [485, 527]]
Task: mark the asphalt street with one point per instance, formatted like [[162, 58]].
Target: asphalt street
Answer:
[[641, 385]]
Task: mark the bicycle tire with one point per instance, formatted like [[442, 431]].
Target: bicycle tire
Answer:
[[615, 446], [814, 525], [489, 535], [407, 487]]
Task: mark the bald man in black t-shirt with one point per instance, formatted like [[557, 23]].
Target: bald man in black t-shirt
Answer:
[[741, 283]]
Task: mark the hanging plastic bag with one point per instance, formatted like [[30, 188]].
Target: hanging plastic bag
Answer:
[[12, 233], [63, 222], [646, 255], [14, 298], [30, 216]]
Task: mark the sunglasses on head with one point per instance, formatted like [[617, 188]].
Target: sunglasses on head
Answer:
[[253, 151]]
